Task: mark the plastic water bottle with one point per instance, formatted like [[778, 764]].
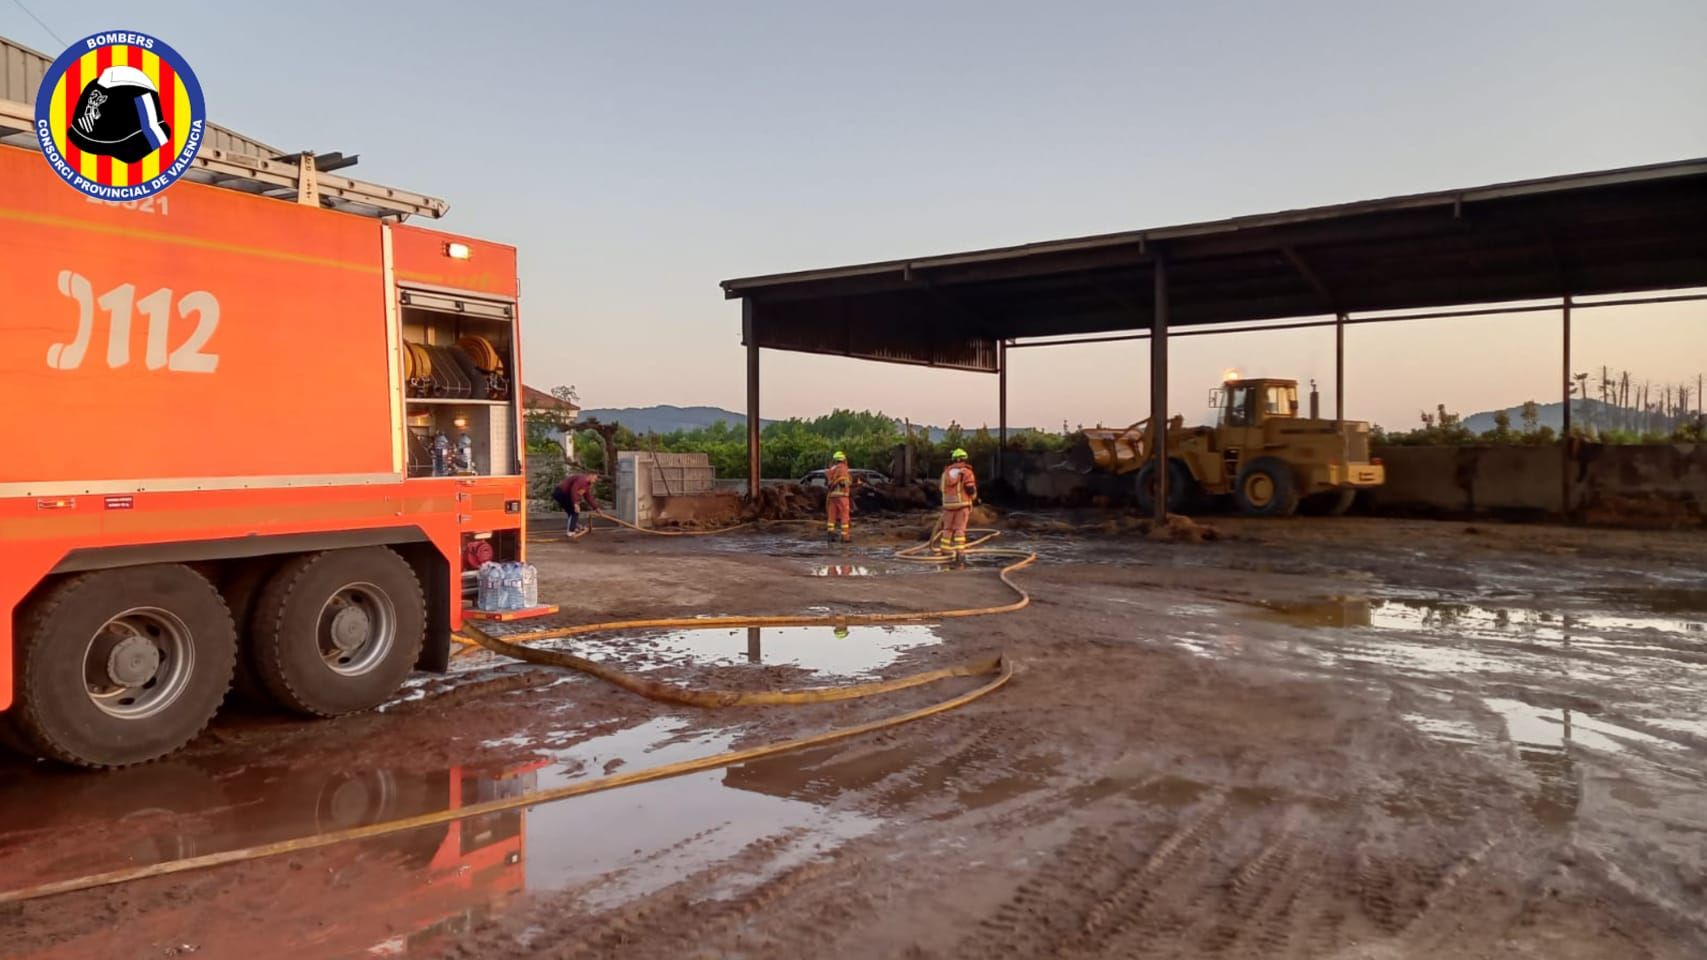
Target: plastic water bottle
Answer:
[[530, 586], [487, 597], [513, 586], [465, 454]]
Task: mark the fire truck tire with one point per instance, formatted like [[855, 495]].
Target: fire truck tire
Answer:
[[338, 631], [11, 739], [1182, 489], [1266, 488], [241, 588], [121, 666]]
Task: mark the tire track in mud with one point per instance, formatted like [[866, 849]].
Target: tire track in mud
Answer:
[[1453, 892], [1260, 898], [1145, 905], [987, 755], [1092, 890], [1033, 922], [1204, 906], [682, 919]]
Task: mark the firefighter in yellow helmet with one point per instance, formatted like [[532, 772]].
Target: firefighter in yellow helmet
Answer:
[[959, 492], [839, 504]]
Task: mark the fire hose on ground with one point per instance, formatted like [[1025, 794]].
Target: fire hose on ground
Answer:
[[1000, 669]]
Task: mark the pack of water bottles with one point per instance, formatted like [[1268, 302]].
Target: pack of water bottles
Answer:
[[508, 586]]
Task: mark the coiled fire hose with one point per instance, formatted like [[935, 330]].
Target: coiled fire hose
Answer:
[[1000, 669]]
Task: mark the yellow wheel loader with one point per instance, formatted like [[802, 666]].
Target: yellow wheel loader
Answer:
[[1268, 459]]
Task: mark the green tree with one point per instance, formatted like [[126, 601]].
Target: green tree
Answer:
[[543, 425], [1502, 432]]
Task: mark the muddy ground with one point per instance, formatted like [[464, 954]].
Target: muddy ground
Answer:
[[1352, 738]]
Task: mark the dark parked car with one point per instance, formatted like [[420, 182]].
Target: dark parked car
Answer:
[[868, 477]]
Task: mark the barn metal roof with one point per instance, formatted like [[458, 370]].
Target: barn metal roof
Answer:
[[1611, 231]]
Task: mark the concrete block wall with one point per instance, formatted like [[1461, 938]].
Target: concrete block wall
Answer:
[[1641, 484], [1468, 479], [1664, 484]]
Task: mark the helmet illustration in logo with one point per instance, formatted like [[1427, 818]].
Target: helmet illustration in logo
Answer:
[[119, 116]]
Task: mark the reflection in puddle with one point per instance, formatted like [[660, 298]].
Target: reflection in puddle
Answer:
[[839, 651], [405, 894], [417, 888], [1484, 620], [648, 836]]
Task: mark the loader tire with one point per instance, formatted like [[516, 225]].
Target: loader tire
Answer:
[[1266, 488], [1182, 489], [121, 666], [338, 631]]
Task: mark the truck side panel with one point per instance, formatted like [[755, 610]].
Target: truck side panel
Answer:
[[203, 338], [421, 261], [37, 541]]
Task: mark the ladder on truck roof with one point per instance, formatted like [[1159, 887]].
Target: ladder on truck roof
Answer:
[[295, 177]]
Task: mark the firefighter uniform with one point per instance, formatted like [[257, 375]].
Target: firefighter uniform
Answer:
[[959, 492], [839, 504]]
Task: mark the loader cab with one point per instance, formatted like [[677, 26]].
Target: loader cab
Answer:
[[1251, 403]]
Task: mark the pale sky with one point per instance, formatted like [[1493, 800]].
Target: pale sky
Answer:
[[638, 153]]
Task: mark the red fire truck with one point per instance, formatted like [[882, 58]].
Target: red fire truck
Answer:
[[260, 432]]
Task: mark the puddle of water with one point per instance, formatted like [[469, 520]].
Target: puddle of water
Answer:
[[1485, 621], [1641, 655], [842, 570], [836, 651], [1332, 612], [424, 885], [416, 887], [650, 835]]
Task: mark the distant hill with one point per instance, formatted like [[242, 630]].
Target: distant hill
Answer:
[[1553, 415], [667, 418]]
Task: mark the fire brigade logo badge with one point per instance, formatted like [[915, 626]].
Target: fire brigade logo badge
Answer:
[[120, 116]]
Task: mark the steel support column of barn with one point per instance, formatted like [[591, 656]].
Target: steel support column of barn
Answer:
[[1565, 434], [750, 336], [1002, 410], [1159, 388], [1339, 373]]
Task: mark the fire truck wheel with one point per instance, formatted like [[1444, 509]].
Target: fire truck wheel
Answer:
[[1266, 488], [338, 631], [122, 666]]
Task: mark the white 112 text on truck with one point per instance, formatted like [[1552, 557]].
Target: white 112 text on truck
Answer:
[[120, 304]]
